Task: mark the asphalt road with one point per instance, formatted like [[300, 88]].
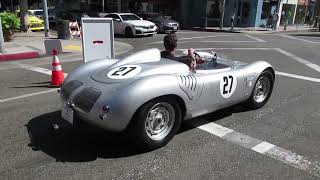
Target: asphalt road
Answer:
[[279, 141]]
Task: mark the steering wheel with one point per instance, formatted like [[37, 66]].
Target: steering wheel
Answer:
[[199, 59]]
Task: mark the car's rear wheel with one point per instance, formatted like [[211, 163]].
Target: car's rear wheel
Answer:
[[155, 123], [128, 32], [262, 90]]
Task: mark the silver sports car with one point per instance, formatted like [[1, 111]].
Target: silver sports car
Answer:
[[150, 96]]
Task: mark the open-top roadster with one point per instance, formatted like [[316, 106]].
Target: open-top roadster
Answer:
[[150, 96]]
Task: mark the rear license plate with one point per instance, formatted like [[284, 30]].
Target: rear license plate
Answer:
[[67, 113]]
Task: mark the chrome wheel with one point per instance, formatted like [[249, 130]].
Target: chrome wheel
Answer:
[[159, 121], [261, 90]]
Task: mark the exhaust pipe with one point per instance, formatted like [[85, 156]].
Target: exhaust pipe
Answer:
[[55, 127]]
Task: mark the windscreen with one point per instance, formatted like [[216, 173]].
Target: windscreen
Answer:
[[129, 17]]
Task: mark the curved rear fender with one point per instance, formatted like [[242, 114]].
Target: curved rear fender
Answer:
[[83, 70], [257, 67], [128, 99]]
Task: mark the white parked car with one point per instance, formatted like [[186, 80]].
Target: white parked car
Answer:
[[130, 25]]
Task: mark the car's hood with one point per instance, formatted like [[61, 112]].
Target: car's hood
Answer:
[[34, 19], [142, 64], [165, 21], [140, 22]]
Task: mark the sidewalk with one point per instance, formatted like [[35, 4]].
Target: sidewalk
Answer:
[[31, 45], [293, 28]]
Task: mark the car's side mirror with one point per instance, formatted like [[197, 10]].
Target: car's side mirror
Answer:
[[116, 19], [141, 18]]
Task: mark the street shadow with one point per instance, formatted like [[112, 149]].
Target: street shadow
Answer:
[[76, 145], [46, 84], [212, 117], [89, 143], [307, 35]]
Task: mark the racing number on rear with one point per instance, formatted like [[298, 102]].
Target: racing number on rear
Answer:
[[228, 85], [124, 72]]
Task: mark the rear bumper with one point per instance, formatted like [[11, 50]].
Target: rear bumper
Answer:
[[171, 28], [141, 33]]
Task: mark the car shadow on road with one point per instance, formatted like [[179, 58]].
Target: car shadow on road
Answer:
[[88, 144], [212, 117], [76, 145]]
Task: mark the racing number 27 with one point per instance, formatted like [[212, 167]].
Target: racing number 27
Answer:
[[123, 71], [227, 86]]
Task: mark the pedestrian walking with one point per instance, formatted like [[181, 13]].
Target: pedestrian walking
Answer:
[[232, 20], [275, 18]]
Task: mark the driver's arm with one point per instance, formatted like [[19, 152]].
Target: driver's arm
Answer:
[[194, 62]]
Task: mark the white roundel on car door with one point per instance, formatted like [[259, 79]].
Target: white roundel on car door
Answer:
[[124, 72], [228, 84]]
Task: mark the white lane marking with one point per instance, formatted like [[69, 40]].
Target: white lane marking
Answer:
[[26, 95], [265, 148], [290, 37], [36, 69], [299, 59], [205, 49], [297, 76], [196, 37], [202, 37], [295, 160], [215, 129], [225, 41], [255, 38]]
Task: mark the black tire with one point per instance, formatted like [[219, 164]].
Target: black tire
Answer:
[[128, 32], [158, 30], [252, 102], [138, 131]]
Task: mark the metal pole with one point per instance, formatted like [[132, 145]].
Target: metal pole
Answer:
[[222, 15], [45, 17], [280, 4], [1, 39], [102, 5]]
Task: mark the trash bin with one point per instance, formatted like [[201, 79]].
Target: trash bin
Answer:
[[63, 29]]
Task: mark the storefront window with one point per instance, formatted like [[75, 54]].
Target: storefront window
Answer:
[[213, 9]]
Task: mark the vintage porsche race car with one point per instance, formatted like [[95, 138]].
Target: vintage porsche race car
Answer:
[[149, 96]]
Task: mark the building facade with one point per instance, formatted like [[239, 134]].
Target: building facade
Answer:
[[198, 13]]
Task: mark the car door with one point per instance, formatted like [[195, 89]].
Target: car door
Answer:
[[221, 88], [116, 23]]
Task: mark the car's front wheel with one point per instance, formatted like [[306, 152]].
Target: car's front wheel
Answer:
[[262, 90], [155, 123], [128, 32]]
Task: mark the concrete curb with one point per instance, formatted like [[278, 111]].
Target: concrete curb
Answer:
[[120, 48], [19, 56]]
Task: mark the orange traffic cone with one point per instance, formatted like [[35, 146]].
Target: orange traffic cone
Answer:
[[57, 77]]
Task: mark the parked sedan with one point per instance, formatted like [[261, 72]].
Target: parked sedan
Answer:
[[163, 23], [130, 25]]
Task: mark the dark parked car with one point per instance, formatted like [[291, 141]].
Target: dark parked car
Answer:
[[163, 23]]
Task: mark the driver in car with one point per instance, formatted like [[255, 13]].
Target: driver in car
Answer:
[[170, 44]]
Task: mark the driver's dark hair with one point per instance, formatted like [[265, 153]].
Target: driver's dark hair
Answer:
[[170, 42]]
